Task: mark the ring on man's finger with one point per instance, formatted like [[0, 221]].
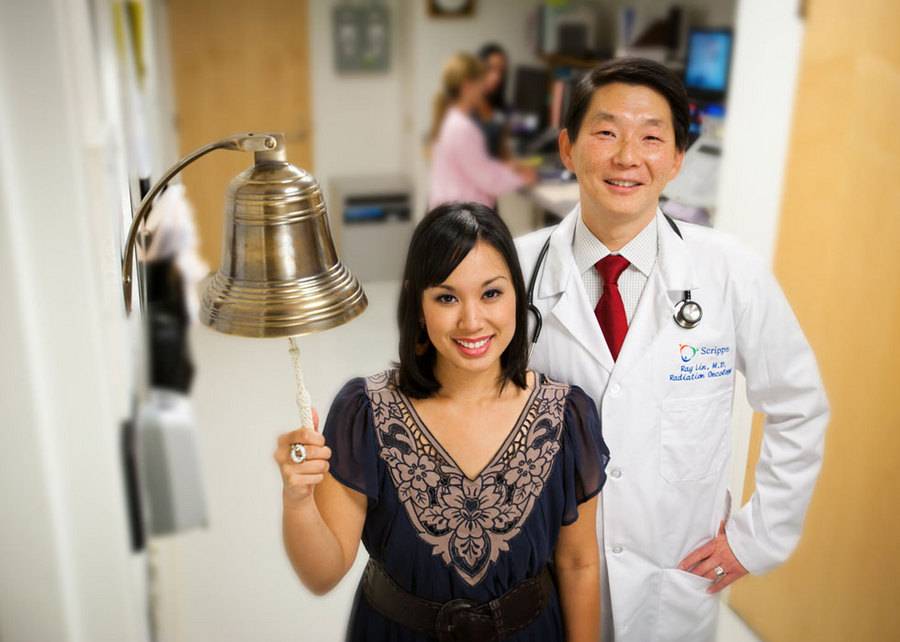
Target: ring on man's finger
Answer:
[[720, 572], [298, 453]]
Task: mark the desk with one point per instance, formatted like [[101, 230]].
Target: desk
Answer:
[[555, 196], [546, 203], [370, 213]]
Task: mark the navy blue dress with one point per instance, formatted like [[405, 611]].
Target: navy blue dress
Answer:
[[442, 535]]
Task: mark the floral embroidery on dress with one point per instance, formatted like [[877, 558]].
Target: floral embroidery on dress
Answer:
[[469, 522]]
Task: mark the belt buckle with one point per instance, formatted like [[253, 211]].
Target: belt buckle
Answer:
[[456, 622]]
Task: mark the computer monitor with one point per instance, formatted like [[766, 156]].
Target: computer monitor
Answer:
[[708, 62], [530, 93]]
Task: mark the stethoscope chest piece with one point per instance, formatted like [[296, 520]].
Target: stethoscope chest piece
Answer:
[[688, 313]]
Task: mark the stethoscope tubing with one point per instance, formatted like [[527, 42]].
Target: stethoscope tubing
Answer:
[[679, 317]]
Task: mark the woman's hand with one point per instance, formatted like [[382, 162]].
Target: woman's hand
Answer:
[[322, 520], [299, 480], [527, 172], [529, 175]]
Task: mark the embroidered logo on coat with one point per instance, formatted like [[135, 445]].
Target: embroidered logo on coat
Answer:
[[702, 362], [687, 352]]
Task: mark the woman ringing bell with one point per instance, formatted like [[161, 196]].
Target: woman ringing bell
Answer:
[[466, 476]]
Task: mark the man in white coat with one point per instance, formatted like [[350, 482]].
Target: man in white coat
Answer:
[[653, 318]]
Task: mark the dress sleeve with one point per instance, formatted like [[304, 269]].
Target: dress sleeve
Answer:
[[350, 433], [585, 454]]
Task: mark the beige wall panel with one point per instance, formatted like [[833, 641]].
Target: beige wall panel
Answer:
[[238, 66], [838, 258]]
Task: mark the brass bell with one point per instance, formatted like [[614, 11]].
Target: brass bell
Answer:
[[280, 275]]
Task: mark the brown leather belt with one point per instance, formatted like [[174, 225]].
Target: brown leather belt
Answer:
[[459, 619]]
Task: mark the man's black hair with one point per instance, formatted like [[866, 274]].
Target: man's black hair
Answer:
[[631, 71]]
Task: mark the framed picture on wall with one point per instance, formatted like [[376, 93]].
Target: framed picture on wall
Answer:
[[450, 8]]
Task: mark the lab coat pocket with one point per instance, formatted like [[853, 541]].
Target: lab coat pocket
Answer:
[[694, 436], [687, 613]]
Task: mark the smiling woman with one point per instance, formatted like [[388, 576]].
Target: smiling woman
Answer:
[[462, 311], [463, 473]]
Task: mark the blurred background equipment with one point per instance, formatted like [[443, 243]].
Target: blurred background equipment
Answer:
[[362, 38], [696, 185], [374, 221], [571, 29], [660, 38], [708, 63], [450, 8], [164, 449], [169, 464], [531, 85]]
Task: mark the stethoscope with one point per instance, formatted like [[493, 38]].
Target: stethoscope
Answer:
[[688, 312]]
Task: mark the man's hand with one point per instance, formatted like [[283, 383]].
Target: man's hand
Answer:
[[705, 559]]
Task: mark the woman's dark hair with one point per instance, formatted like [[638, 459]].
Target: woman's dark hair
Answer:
[[632, 71], [439, 243], [497, 98]]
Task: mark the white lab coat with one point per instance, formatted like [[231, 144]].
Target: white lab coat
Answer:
[[666, 415]]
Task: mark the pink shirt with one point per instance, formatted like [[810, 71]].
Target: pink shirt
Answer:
[[462, 169]]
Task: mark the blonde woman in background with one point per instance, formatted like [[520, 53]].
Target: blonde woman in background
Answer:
[[462, 169]]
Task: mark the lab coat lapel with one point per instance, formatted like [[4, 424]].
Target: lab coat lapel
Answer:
[[574, 312], [646, 324], [572, 308], [672, 274]]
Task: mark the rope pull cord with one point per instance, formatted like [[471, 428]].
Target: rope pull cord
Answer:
[[304, 403]]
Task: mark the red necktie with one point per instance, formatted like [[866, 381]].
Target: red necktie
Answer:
[[610, 310]]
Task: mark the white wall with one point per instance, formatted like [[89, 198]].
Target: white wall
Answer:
[[358, 120], [68, 574], [760, 106]]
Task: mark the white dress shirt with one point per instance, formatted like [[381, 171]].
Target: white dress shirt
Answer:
[[640, 251]]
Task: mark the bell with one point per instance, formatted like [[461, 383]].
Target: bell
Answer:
[[280, 275]]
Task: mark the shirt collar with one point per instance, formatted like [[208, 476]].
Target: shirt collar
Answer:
[[640, 251]]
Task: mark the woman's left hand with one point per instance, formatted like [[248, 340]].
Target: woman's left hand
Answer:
[[715, 553]]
